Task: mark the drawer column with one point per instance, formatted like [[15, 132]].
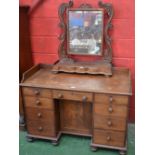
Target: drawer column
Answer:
[[41, 114], [110, 113]]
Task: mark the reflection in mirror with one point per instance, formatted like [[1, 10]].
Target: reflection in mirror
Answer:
[[85, 32]]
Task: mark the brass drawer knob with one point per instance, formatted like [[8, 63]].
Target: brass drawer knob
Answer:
[[109, 123], [60, 96], [110, 99], [108, 138], [37, 102], [110, 109], [36, 92], [39, 114], [40, 128]]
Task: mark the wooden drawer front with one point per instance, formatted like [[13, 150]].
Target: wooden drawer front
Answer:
[[41, 128], [110, 123], [38, 102], [39, 115], [104, 109], [115, 99], [71, 95], [111, 138], [38, 92]]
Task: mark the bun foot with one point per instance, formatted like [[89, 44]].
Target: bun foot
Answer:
[[55, 143], [122, 152], [93, 148], [29, 139]]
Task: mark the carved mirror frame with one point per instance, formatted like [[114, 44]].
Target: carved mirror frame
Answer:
[[65, 59]]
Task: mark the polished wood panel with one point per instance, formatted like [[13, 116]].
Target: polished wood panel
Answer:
[[38, 102], [40, 115], [110, 98], [119, 83], [106, 109], [76, 116], [72, 95], [107, 137], [109, 123], [41, 128], [37, 92]]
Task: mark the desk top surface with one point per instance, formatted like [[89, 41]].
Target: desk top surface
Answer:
[[119, 83]]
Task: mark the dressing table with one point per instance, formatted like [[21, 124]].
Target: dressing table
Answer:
[[79, 98]]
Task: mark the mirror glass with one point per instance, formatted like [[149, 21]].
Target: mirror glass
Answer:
[[85, 32]]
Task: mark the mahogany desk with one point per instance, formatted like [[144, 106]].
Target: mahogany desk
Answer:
[[80, 104]]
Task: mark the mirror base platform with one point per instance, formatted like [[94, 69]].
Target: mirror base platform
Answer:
[[69, 66]]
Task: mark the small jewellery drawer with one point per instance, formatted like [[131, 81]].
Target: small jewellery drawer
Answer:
[[38, 92], [114, 99], [109, 123], [111, 138], [40, 128], [72, 95], [38, 102], [39, 115], [104, 109]]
